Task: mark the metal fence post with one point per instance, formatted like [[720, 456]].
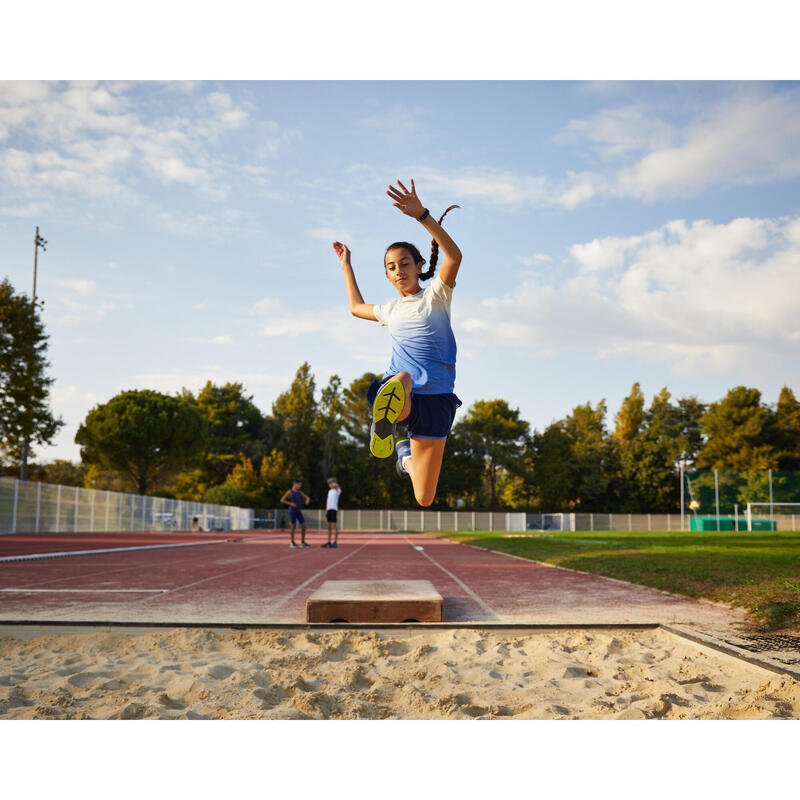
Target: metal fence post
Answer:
[[716, 493], [14, 511], [77, 503], [38, 505], [682, 508], [771, 514]]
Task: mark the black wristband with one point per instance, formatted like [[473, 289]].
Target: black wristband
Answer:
[[424, 215]]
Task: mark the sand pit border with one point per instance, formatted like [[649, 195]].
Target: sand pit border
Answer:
[[696, 637], [760, 660]]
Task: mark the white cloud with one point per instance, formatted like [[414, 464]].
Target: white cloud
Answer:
[[210, 340], [698, 296], [329, 234], [79, 285], [399, 120], [748, 138], [102, 139], [362, 339]]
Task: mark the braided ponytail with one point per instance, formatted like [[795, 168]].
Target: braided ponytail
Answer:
[[434, 251], [417, 256]]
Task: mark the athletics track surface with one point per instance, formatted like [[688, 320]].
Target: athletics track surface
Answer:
[[255, 578]]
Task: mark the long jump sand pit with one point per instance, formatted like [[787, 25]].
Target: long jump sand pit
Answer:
[[416, 673]]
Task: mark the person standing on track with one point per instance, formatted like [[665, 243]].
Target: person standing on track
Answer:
[[332, 512], [294, 499], [417, 388]]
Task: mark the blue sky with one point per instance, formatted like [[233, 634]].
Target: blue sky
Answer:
[[612, 232]]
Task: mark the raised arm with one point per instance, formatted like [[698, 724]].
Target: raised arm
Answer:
[[358, 308], [411, 206]]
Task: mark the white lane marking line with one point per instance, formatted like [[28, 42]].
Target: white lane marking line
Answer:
[[458, 580], [82, 591], [133, 567], [275, 606], [65, 553], [257, 564]]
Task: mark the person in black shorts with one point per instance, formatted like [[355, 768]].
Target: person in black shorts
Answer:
[[332, 512], [416, 390], [294, 499]]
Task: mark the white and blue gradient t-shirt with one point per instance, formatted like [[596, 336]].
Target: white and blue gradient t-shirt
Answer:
[[423, 344]]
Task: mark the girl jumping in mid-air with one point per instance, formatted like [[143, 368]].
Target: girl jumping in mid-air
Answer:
[[417, 388]]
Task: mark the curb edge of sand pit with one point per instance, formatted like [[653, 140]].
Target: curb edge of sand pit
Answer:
[[729, 649]]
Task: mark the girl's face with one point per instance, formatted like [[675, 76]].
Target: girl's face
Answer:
[[401, 271]]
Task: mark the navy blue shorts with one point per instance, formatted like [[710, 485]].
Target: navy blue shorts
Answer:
[[431, 415], [296, 515]]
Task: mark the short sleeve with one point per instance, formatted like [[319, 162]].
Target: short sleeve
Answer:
[[382, 311], [441, 292]]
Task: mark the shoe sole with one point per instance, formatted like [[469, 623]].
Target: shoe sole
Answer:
[[386, 409]]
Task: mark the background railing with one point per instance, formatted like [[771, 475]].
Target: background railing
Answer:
[[30, 507], [710, 499], [368, 519]]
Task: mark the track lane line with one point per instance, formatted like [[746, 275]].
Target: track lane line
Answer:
[[458, 580], [275, 606]]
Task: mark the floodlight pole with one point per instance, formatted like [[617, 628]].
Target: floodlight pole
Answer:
[[682, 506], [38, 242]]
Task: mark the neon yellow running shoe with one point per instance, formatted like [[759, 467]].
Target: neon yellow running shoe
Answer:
[[386, 409]]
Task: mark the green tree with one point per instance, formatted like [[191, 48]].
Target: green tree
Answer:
[[593, 454], [328, 425], [648, 453], [496, 435], [787, 419], [143, 435], [275, 475], [741, 433], [25, 416], [63, 472], [461, 480], [295, 411], [235, 425], [555, 468]]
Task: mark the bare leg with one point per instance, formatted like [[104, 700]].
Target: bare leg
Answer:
[[335, 532], [291, 532], [424, 467], [405, 379], [302, 533], [330, 531]]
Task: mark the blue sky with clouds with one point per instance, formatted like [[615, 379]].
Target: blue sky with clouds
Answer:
[[612, 232]]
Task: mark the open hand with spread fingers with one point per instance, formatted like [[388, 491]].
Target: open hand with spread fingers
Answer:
[[343, 252], [406, 201]]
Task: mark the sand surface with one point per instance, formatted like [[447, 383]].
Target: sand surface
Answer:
[[356, 674]]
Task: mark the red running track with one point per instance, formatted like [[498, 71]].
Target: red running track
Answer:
[[255, 578]]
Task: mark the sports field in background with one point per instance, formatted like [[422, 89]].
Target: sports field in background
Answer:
[[757, 571]]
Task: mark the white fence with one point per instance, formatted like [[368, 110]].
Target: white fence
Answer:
[[601, 521], [633, 522], [366, 519], [28, 507]]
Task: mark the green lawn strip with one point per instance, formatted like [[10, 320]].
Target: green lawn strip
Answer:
[[758, 571]]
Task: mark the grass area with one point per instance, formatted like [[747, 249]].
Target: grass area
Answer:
[[757, 571]]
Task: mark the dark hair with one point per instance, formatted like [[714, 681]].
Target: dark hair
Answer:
[[417, 256]]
